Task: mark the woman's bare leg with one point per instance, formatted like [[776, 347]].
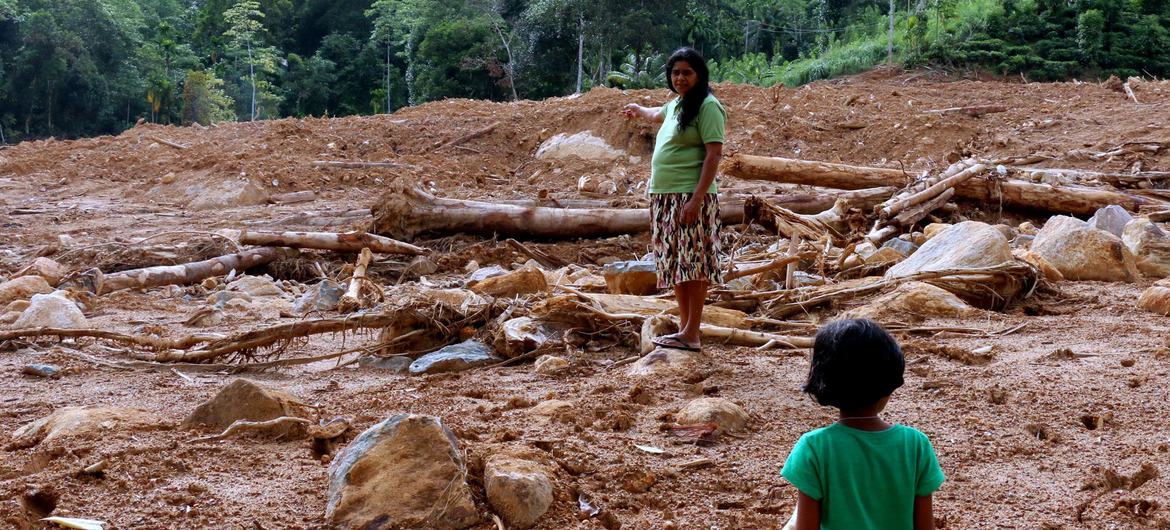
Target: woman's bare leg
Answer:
[[691, 296]]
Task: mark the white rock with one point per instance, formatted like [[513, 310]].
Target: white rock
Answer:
[[51, 311], [967, 245], [582, 145], [1111, 219], [916, 300], [255, 286]]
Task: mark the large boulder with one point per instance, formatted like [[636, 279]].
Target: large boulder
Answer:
[[53, 310], [631, 277], [964, 246], [245, 400], [405, 472], [1156, 299], [518, 489], [913, 301], [23, 288], [217, 194], [1150, 245], [454, 358], [581, 145], [1081, 252], [85, 422], [727, 415]]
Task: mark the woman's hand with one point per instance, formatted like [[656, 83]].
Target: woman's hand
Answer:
[[689, 214], [631, 111]]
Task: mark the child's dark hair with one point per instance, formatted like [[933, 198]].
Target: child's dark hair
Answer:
[[855, 363], [695, 96]]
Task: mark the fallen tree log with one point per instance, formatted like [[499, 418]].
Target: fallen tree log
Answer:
[[1010, 193], [345, 241], [185, 274], [407, 211], [469, 137]]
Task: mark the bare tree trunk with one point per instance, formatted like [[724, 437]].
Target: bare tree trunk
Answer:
[[389, 108], [580, 52], [252, 75], [1010, 193], [352, 299], [346, 241], [511, 70]]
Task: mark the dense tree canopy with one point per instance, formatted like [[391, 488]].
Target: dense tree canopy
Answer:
[[88, 67]]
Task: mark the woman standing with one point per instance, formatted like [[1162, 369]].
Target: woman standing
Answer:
[[683, 202]]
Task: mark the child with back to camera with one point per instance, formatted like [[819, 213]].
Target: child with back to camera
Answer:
[[860, 472]]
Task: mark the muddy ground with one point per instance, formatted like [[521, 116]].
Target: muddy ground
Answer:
[[1077, 395]]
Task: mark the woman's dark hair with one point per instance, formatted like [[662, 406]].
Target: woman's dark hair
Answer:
[[855, 363], [693, 100]]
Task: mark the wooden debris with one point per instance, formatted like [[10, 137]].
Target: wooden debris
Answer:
[[361, 291], [345, 241], [294, 197], [973, 111], [185, 274], [544, 259], [244, 425], [167, 143], [1129, 90], [347, 164], [1009, 193], [469, 137]]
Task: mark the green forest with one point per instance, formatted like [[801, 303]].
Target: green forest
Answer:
[[72, 68]]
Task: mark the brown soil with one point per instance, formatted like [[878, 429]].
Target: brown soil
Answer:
[[1059, 426]]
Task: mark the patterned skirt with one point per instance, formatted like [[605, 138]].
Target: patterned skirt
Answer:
[[685, 253]]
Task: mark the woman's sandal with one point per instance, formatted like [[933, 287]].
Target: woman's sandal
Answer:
[[675, 343]]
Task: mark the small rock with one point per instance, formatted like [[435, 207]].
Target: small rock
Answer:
[[1111, 219], [169, 178], [1027, 228], [901, 246], [87, 422], [219, 300], [552, 408], [1046, 269], [455, 358], [550, 364], [933, 229], [405, 472], [210, 283], [66, 241], [523, 281], [884, 256], [1150, 246], [727, 415], [245, 400], [631, 277], [1008, 232], [16, 305], [41, 370], [9, 317], [255, 286], [663, 361], [518, 490], [323, 296], [398, 364], [1156, 299], [23, 288], [51, 311], [482, 274], [522, 335], [1081, 252], [50, 270]]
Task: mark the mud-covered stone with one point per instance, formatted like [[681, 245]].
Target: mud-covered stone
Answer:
[[85, 423], [1081, 252], [1156, 299], [1150, 246], [631, 277], [245, 400], [454, 358], [23, 288], [405, 472], [518, 490], [53, 310], [727, 415]]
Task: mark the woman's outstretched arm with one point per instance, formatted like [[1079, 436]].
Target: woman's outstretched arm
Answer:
[[808, 513], [634, 110]]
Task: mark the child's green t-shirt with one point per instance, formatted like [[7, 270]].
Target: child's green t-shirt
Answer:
[[678, 156], [864, 479]]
